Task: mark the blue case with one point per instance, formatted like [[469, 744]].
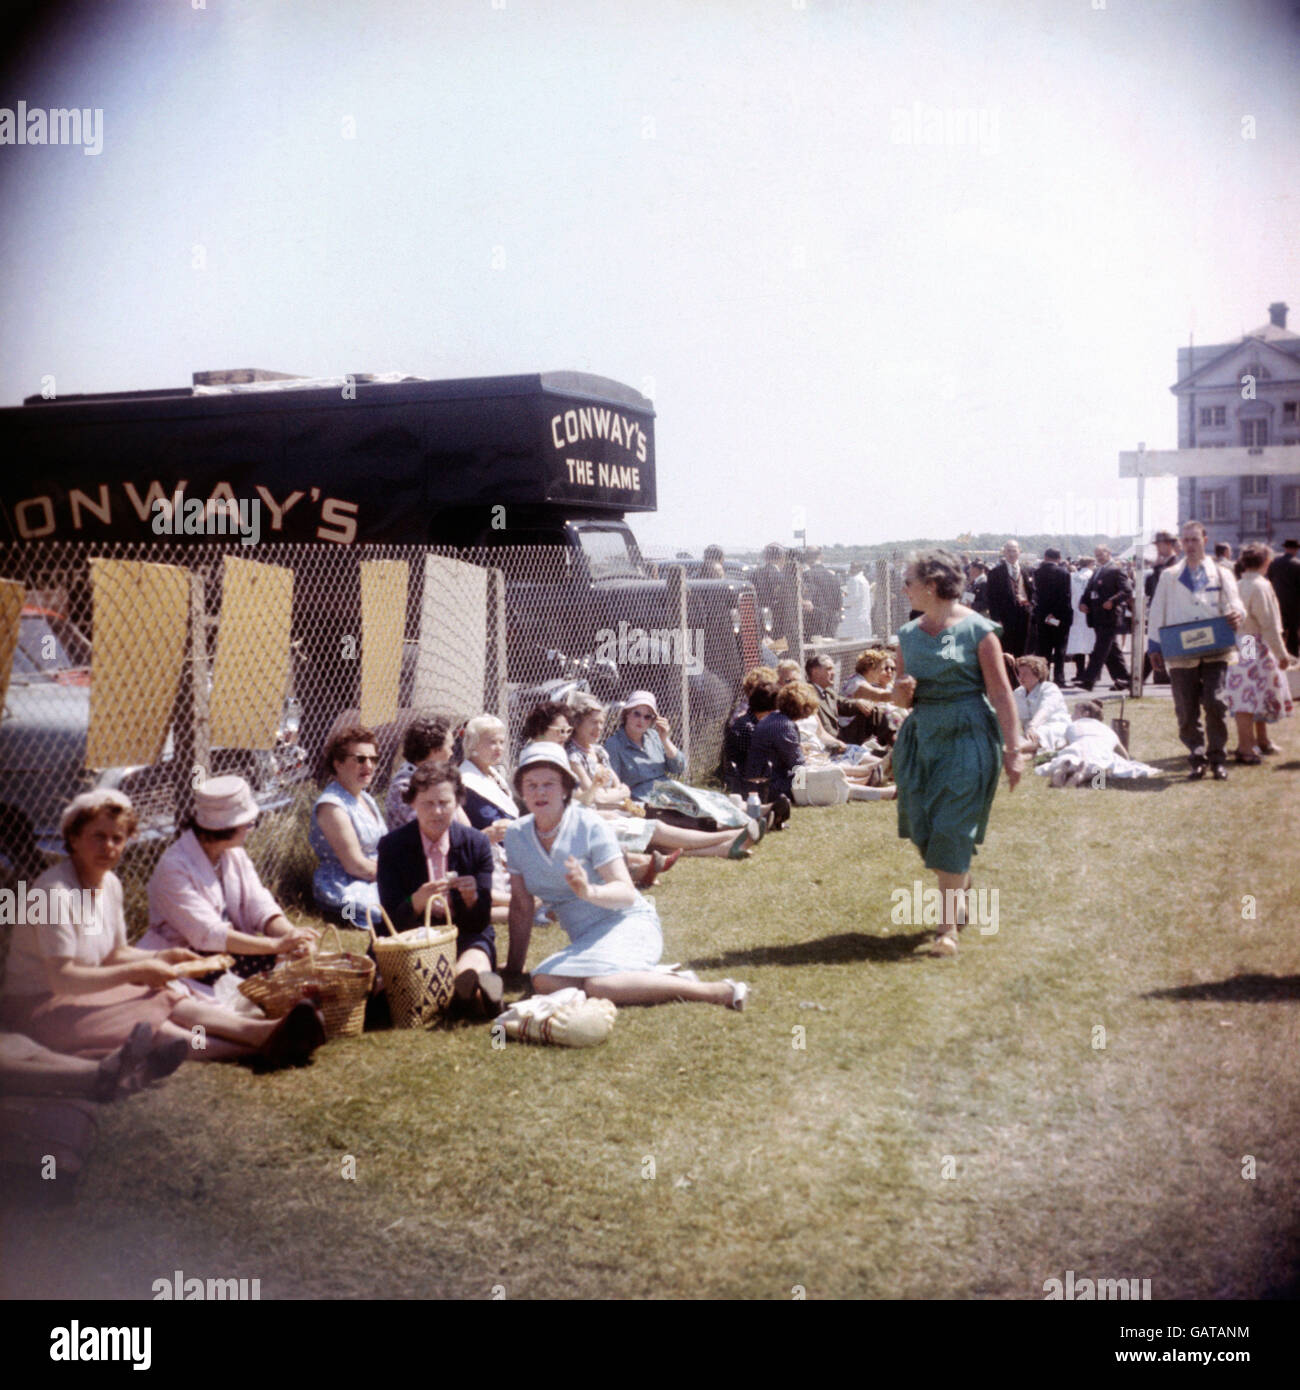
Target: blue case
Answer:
[[1205, 637]]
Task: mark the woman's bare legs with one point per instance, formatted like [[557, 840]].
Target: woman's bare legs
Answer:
[[1246, 730], [700, 844], [226, 1035], [640, 987]]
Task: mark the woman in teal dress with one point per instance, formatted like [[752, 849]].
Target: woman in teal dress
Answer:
[[962, 726]]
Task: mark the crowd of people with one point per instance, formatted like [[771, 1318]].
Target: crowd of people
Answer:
[[594, 808]]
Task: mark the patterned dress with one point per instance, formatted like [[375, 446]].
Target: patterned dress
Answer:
[[332, 885], [949, 751], [603, 940]]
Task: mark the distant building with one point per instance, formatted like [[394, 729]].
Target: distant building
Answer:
[[1244, 397]]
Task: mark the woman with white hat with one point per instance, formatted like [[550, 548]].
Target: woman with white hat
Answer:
[[567, 856], [74, 985], [641, 750], [205, 893]]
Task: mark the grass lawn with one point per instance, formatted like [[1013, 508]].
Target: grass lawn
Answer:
[[1089, 1088]]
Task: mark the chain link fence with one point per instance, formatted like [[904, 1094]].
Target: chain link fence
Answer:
[[152, 667]]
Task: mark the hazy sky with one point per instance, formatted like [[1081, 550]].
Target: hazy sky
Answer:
[[915, 266]]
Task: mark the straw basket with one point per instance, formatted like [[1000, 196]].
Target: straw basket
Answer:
[[337, 981], [419, 969]]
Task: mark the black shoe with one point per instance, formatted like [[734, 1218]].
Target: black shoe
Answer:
[[1083, 685], [1197, 772], [1219, 772], [491, 989], [780, 811]]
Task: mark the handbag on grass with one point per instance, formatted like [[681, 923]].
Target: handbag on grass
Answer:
[[693, 807]]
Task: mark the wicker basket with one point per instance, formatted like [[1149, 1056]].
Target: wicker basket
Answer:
[[337, 981], [419, 969]]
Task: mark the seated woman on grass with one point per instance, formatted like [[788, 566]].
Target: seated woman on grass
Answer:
[[489, 803], [798, 702], [427, 740], [1041, 707], [600, 788], [74, 985], [873, 675], [435, 860], [566, 856], [206, 895], [346, 827]]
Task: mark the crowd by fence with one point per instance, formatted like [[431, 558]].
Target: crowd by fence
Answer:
[[153, 667]]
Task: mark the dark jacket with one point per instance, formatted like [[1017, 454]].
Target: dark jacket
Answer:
[[1107, 582], [774, 753], [1284, 576], [821, 586], [1051, 589], [402, 870], [1154, 573], [1004, 606]]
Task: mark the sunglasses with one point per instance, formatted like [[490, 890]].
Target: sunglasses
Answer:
[[364, 757]]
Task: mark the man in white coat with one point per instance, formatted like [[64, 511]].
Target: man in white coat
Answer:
[[1193, 589], [857, 605]]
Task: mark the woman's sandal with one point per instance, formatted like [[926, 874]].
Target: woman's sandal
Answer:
[[740, 845], [1269, 747], [944, 944], [1249, 759]]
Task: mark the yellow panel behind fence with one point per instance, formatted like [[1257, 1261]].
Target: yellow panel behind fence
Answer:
[[383, 624], [251, 673], [141, 613], [11, 610], [453, 638]]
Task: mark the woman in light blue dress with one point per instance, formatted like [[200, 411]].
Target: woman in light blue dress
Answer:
[[962, 731], [568, 857], [346, 827]]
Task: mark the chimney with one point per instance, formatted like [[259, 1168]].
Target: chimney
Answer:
[[1277, 315]]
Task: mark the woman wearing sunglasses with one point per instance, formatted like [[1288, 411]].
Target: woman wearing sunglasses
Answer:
[[346, 828]]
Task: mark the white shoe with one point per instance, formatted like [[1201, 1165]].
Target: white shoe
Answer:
[[739, 993]]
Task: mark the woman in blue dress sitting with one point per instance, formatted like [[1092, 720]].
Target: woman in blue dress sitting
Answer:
[[346, 827], [948, 753], [568, 857], [641, 751]]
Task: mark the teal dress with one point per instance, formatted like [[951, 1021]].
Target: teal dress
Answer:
[[949, 751]]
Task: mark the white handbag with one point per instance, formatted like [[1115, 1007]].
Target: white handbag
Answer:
[[819, 786]]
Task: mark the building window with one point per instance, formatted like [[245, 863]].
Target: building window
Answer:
[[1220, 414], [1254, 521], [1254, 433], [1291, 412], [1213, 415], [1214, 504], [1254, 485], [1291, 503]]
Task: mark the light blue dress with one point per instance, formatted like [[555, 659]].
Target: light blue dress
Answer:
[[642, 767], [604, 940], [332, 885]]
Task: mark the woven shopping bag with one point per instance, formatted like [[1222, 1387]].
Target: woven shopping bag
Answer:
[[419, 968], [337, 982]]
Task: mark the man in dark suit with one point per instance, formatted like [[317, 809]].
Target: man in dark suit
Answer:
[[1284, 576], [435, 857], [1166, 555], [821, 586], [774, 589], [1104, 600], [1053, 611], [1010, 597]]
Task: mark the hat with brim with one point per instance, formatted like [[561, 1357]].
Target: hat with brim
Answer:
[[1167, 536], [641, 697], [92, 802], [535, 755], [224, 803]]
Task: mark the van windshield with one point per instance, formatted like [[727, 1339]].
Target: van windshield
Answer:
[[611, 553]]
